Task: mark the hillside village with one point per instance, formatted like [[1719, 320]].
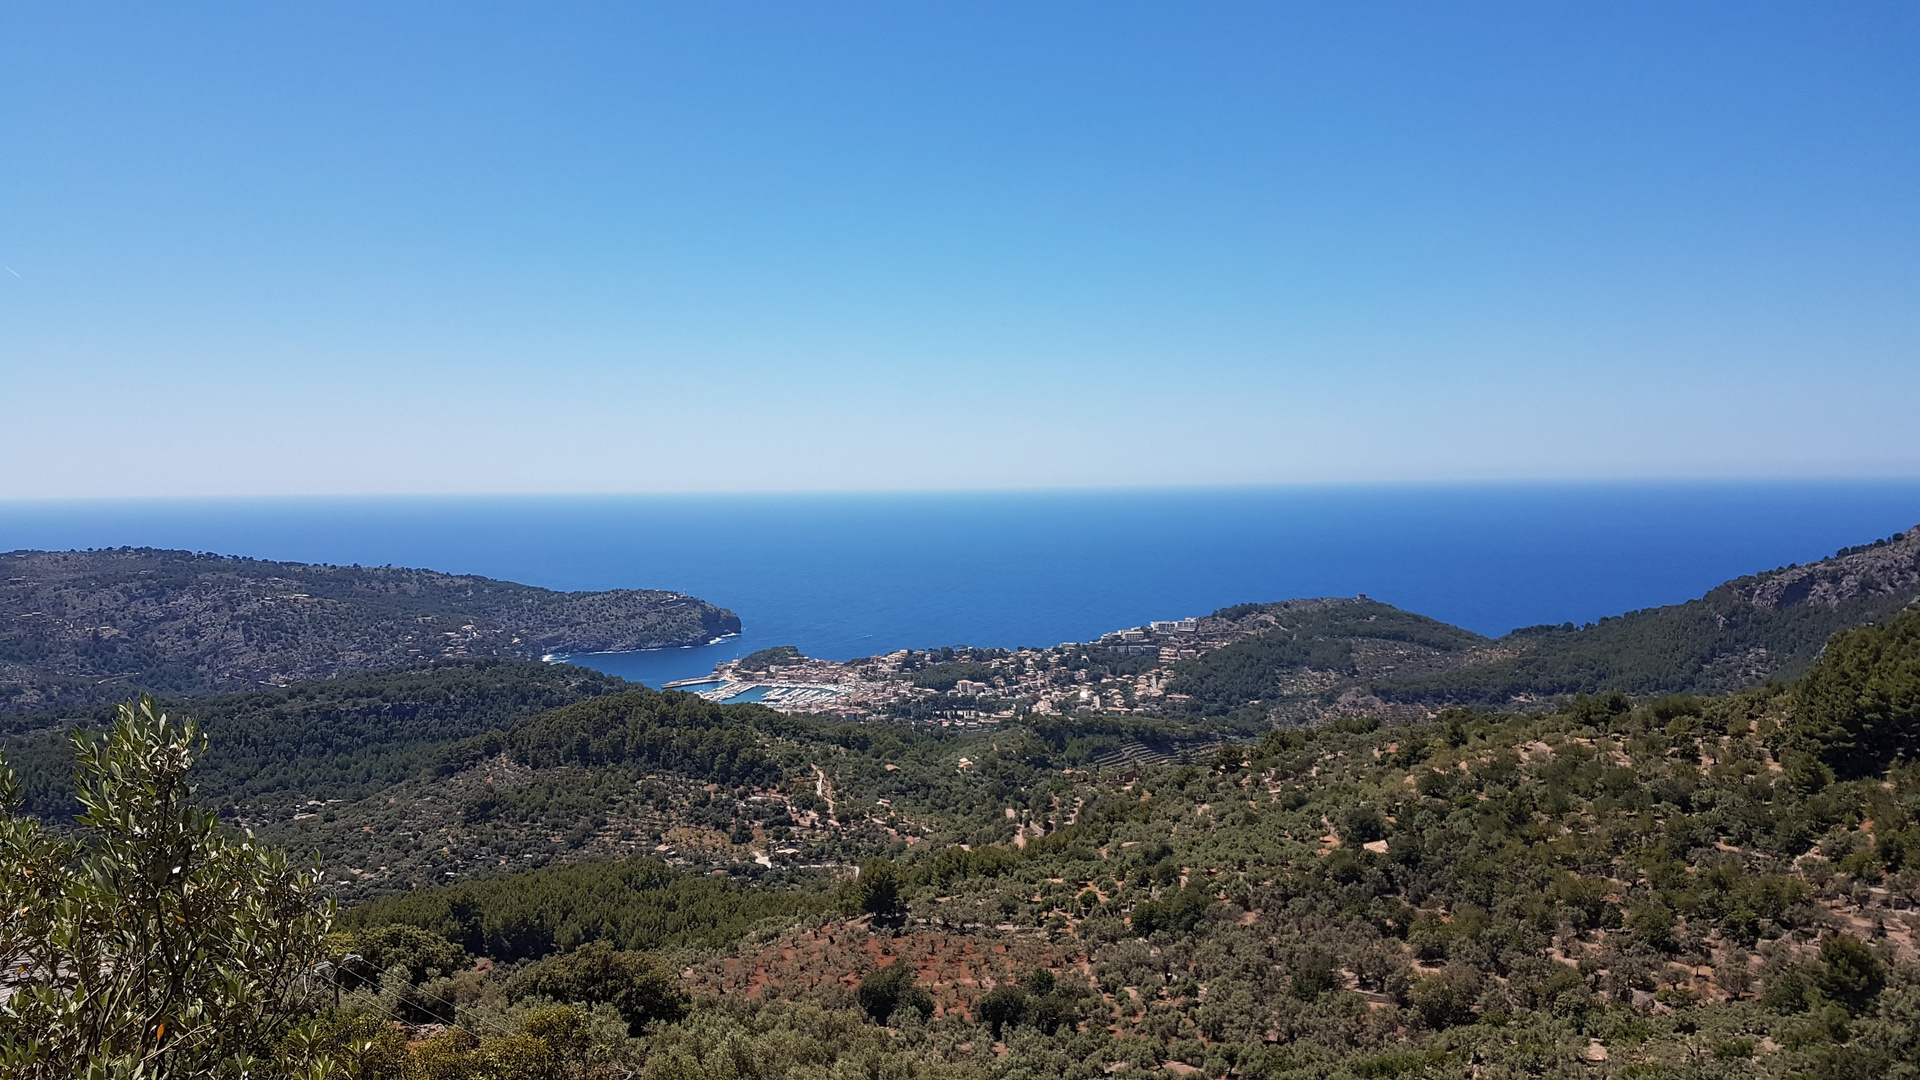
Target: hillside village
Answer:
[[1122, 672]]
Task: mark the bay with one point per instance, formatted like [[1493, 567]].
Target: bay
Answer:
[[842, 576]]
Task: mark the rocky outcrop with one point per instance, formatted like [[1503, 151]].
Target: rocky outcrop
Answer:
[[1888, 568]]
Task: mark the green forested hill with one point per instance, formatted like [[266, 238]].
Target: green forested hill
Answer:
[[85, 627], [335, 739], [1768, 625], [1695, 887], [1350, 640], [1701, 888], [650, 729]]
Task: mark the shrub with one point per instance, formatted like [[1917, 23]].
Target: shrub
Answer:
[[1178, 913], [1442, 1001], [1362, 825], [1849, 974], [1653, 926], [363, 955], [596, 972], [874, 891], [1787, 989], [1314, 977], [369, 1047], [1003, 1006], [890, 989]]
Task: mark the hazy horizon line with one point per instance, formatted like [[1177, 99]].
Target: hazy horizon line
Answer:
[[1680, 481]]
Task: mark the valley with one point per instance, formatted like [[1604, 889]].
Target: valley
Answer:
[[1282, 840]]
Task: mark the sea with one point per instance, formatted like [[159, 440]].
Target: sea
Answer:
[[843, 576]]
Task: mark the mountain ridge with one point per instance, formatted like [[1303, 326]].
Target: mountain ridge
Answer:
[[1769, 625]]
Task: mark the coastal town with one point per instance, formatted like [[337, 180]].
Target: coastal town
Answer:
[[1126, 671]]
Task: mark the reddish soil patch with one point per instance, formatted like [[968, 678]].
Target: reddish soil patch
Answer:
[[955, 968]]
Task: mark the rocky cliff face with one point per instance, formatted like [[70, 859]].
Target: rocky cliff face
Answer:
[[1888, 568]]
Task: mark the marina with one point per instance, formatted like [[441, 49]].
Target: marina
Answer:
[[797, 696]]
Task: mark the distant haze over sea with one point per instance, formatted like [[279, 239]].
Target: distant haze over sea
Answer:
[[845, 576]]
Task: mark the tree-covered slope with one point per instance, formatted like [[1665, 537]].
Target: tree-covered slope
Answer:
[[334, 739], [1694, 888], [1860, 703], [1687, 887], [631, 904], [85, 627], [1346, 641], [667, 731], [1768, 625]]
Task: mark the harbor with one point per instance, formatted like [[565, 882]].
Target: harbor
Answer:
[[794, 696]]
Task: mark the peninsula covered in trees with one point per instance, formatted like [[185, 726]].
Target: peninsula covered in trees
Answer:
[[86, 627]]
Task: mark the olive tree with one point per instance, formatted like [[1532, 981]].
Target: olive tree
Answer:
[[153, 943]]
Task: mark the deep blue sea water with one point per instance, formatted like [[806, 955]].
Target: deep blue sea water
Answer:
[[845, 576]]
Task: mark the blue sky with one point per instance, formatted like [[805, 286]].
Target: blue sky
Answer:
[[368, 248]]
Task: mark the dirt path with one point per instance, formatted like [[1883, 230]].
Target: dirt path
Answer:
[[824, 788]]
